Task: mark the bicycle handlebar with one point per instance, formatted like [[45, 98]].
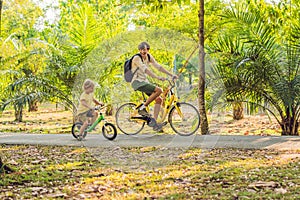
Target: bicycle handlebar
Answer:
[[171, 82], [100, 107]]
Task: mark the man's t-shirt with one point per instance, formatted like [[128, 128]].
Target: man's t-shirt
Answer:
[[89, 100], [140, 74]]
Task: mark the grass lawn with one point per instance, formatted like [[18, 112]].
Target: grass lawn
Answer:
[[74, 173], [49, 119], [54, 172]]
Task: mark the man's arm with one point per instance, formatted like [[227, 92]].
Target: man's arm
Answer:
[[137, 62], [160, 68], [150, 73]]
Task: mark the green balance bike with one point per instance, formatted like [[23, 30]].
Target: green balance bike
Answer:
[[109, 130]]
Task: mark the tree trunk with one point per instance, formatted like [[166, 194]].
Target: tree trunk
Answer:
[[201, 87], [1, 166], [238, 110], [74, 112], [190, 81], [109, 110], [33, 106], [18, 113], [289, 126]]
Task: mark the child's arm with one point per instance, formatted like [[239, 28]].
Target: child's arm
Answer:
[[84, 103], [98, 102]]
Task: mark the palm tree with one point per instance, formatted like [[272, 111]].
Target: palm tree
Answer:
[[268, 70], [223, 76], [21, 92]]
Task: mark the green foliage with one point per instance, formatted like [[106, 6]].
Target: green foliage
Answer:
[[105, 63], [22, 24], [97, 24], [259, 66], [60, 54], [258, 48], [27, 89], [182, 17]]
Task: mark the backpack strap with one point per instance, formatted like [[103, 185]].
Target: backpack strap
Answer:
[[148, 57], [138, 54], [132, 59]]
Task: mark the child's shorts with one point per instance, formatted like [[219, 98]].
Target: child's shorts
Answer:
[[82, 117]]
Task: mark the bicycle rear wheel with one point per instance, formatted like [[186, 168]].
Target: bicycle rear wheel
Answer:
[[124, 121], [109, 131], [188, 123], [76, 130]]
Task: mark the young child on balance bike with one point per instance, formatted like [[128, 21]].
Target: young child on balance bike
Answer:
[[86, 109]]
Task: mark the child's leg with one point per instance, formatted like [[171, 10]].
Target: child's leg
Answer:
[[95, 116], [83, 127]]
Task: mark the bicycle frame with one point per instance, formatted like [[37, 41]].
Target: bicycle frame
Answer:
[[172, 101], [96, 122], [167, 107]]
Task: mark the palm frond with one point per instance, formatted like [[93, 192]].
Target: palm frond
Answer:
[[27, 89]]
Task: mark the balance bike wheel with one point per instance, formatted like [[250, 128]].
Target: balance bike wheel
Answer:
[[76, 130], [109, 131]]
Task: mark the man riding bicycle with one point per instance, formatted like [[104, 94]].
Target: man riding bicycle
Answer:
[[139, 82]]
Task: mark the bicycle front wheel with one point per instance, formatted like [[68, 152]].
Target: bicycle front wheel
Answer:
[[125, 122], [184, 119], [109, 131]]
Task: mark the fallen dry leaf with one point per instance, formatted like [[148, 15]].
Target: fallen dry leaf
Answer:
[[262, 184]]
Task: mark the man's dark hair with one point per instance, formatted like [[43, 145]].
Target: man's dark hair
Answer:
[[144, 45]]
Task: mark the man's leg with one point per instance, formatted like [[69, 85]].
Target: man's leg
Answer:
[[153, 92], [157, 107], [154, 95]]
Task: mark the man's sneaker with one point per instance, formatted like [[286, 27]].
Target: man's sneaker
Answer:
[[143, 112], [159, 127]]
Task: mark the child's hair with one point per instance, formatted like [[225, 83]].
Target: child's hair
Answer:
[[87, 84]]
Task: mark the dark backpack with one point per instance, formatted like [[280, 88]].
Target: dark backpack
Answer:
[[128, 74]]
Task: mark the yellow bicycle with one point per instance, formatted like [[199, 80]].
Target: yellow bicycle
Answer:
[[183, 117]]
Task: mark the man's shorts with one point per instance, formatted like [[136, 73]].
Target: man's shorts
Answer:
[[82, 117], [143, 86]]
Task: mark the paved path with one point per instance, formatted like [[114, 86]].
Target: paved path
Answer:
[[208, 141]]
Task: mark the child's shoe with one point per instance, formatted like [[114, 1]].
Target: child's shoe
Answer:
[[80, 137]]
